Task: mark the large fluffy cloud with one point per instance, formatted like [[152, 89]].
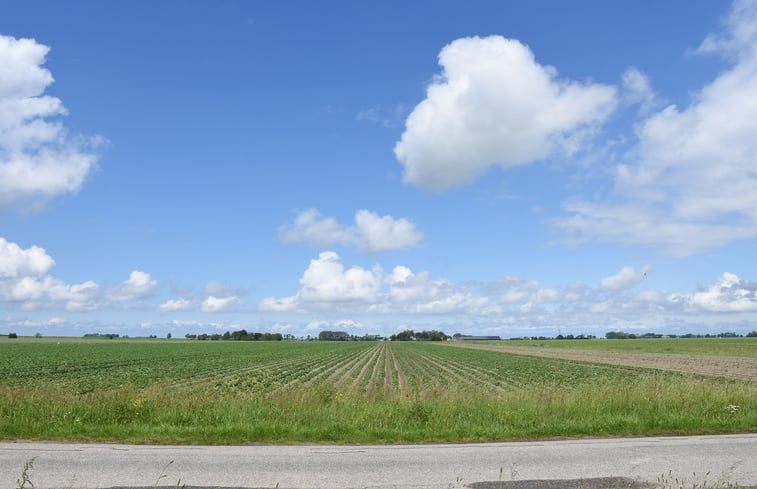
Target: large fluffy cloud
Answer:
[[371, 233], [494, 104], [326, 285], [38, 159], [730, 294], [138, 285], [18, 262], [326, 280], [420, 294], [690, 183], [25, 278]]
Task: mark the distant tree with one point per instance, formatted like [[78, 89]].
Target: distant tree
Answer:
[[168, 336], [407, 335], [38, 335], [619, 335], [333, 336], [432, 335], [12, 335], [752, 334]]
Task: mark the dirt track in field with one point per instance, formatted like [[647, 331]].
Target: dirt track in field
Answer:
[[741, 368]]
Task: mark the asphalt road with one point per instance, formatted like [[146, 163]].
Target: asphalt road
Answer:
[[729, 457]]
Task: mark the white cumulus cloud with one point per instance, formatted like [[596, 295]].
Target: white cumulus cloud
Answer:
[[326, 280], [371, 232], [17, 262], [326, 285], [25, 278], [690, 183], [730, 294], [625, 278], [38, 158], [220, 304], [421, 294], [495, 105], [138, 285], [176, 305]]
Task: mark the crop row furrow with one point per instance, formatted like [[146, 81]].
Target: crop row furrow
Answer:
[[359, 361], [475, 374], [401, 377]]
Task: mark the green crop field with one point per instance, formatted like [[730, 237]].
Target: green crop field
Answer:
[[740, 347], [178, 391]]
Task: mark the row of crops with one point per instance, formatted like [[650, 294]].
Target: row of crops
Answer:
[[369, 369], [178, 391]]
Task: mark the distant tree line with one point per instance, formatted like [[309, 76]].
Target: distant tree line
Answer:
[[410, 335], [558, 337], [344, 336], [621, 335], [241, 335], [108, 336]]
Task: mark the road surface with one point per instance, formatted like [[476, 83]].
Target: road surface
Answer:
[[72, 465]]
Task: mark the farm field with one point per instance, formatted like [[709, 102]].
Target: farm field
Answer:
[[736, 347], [733, 358], [178, 391]]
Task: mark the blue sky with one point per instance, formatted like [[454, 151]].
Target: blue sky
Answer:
[[512, 168]]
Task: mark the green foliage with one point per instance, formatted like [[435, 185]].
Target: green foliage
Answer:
[[333, 336], [157, 391]]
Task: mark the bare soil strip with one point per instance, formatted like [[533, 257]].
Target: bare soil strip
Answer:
[[401, 378], [333, 369], [368, 364], [360, 361], [387, 370], [376, 369], [741, 368], [417, 378]]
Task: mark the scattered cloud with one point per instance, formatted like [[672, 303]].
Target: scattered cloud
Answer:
[[730, 294], [371, 233], [384, 233], [637, 89], [327, 286], [139, 285], [220, 304], [495, 105], [627, 277], [689, 183], [25, 278], [220, 289], [16, 262], [39, 160], [176, 305], [385, 117], [326, 281], [420, 294]]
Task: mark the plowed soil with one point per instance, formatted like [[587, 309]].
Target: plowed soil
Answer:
[[742, 368]]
